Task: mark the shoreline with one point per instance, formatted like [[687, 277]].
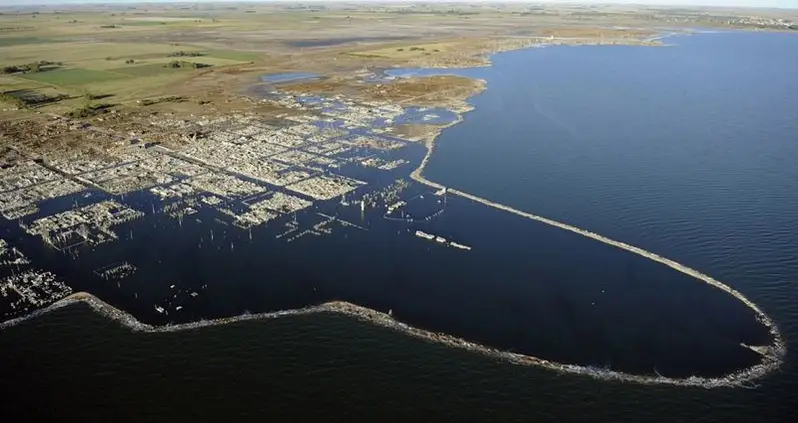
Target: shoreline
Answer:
[[482, 58], [772, 355], [741, 378]]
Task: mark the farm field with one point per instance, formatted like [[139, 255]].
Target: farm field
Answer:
[[211, 56]]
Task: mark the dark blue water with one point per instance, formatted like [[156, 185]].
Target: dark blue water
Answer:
[[687, 151]]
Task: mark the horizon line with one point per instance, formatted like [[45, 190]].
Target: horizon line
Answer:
[[632, 3]]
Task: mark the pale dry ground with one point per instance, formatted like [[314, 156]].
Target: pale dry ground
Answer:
[[339, 41]]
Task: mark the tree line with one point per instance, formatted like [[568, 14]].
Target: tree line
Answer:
[[33, 67]]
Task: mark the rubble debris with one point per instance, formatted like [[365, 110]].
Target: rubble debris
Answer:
[[116, 271], [325, 187], [224, 185], [91, 224]]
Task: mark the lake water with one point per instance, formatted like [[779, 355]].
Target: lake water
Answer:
[[288, 77], [687, 151]]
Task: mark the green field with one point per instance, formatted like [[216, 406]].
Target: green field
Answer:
[[72, 77], [101, 67], [21, 41], [241, 56], [140, 23], [152, 69]]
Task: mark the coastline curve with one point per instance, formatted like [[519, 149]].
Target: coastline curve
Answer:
[[772, 355], [741, 378]]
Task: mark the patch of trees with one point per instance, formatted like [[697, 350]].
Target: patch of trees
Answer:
[[109, 26], [26, 98], [182, 64], [431, 12], [89, 110], [418, 49], [167, 99], [11, 69], [130, 61], [88, 95], [185, 54], [12, 99], [34, 67]]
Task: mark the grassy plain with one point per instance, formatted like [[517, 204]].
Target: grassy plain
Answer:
[[72, 77], [121, 51]]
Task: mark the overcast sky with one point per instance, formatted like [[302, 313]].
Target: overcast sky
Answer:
[[751, 3]]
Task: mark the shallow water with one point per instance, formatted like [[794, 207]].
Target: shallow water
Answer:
[[288, 76]]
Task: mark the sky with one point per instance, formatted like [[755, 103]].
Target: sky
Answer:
[[793, 4]]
